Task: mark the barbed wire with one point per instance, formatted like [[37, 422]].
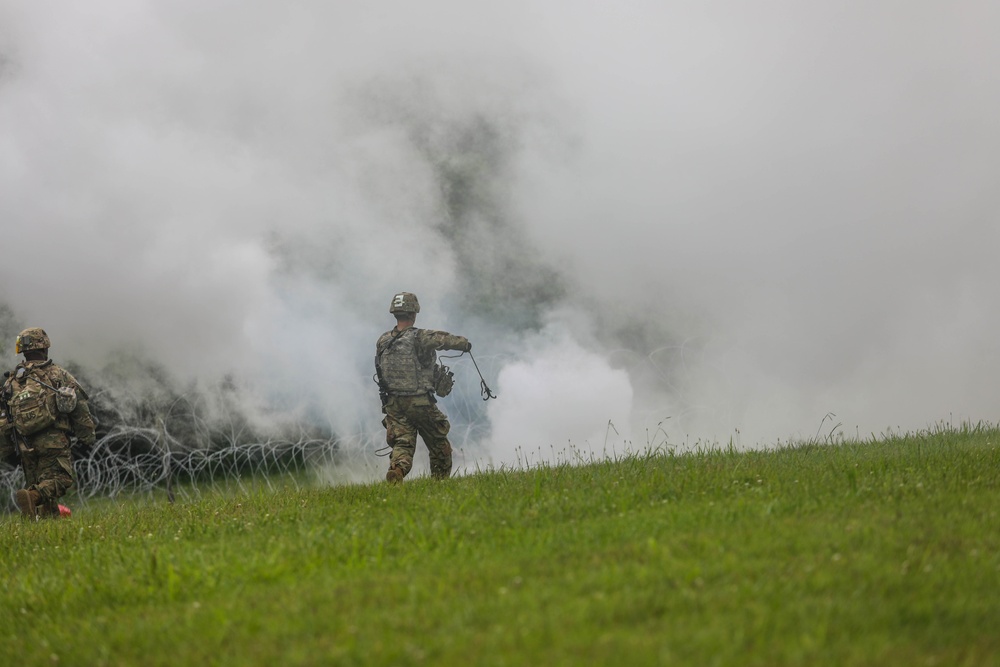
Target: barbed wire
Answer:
[[147, 461], [113, 469]]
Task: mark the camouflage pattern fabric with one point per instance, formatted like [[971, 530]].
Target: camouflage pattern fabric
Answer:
[[409, 416], [406, 417], [427, 343], [404, 302], [402, 372], [48, 468], [45, 456]]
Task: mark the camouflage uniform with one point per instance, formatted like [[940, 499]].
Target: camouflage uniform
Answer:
[[409, 403], [45, 455]]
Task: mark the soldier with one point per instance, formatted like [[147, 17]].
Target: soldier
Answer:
[[43, 407], [405, 359]]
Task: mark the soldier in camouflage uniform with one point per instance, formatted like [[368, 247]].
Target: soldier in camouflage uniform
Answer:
[[43, 407], [405, 357]]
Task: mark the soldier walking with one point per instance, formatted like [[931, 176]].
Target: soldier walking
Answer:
[[43, 407], [405, 360]]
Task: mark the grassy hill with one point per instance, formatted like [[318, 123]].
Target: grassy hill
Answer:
[[857, 553]]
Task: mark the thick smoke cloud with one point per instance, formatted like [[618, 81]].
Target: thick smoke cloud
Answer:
[[680, 222]]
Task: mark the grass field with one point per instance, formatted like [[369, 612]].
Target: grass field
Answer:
[[856, 553]]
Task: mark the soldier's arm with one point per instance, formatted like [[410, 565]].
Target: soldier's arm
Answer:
[[442, 340], [80, 420], [8, 448]]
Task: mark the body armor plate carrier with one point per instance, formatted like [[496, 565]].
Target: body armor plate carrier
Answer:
[[401, 369]]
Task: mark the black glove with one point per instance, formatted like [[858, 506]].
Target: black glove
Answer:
[[468, 347]]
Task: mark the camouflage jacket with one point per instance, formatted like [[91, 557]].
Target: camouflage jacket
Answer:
[[77, 423], [392, 374]]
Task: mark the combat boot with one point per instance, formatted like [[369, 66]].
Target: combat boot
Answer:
[[27, 501], [394, 476]]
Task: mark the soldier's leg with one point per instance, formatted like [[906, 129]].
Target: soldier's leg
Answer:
[[401, 436], [434, 428], [54, 478], [28, 498]]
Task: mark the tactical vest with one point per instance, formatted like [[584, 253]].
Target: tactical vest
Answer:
[[401, 369]]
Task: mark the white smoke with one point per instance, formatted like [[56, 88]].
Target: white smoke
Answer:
[[555, 395], [701, 222]]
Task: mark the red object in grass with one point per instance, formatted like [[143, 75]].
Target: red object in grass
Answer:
[[65, 511]]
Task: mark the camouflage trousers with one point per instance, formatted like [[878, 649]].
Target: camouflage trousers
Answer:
[[405, 418], [48, 467]]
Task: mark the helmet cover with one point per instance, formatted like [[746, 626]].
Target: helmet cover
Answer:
[[404, 302], [33, 338]]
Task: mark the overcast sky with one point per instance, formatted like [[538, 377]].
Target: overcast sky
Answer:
[[681, 220]]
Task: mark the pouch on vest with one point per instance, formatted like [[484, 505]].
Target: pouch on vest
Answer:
[[66, 400], [444, 380], [33, 408]]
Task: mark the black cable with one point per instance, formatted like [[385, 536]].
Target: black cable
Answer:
[[484, 390]]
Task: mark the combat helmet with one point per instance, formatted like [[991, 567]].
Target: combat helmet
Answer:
[[33, 338], [404, 302]]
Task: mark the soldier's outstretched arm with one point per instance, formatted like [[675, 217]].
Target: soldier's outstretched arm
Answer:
[[442, 340]]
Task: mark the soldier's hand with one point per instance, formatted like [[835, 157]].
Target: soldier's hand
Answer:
[[468, 347]]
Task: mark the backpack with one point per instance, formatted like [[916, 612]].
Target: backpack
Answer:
[[33, 407]]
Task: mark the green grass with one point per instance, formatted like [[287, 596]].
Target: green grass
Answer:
[[876, 553]]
